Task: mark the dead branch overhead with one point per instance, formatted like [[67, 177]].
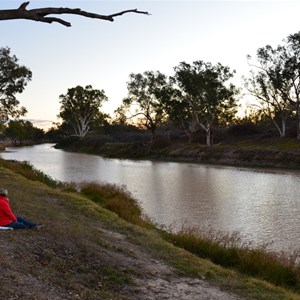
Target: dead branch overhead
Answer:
[[42, 14]]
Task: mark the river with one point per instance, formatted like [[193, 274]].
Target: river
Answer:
[[262, 204]]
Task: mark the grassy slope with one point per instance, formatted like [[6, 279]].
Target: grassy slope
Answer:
[[86, 252]]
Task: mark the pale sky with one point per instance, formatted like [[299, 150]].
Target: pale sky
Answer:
[[103, 54]]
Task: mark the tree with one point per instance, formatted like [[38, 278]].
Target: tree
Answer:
[[278, 79], [180, 115], [271, 105], [53, 134], [80, 108], [147, 94], [15, 131], [292, 73], [42, 14], [270, 85], [120, 117], [20, 130], [13, 79], [205, 99]]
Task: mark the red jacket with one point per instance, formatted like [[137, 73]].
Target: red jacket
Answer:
[[6, 214]]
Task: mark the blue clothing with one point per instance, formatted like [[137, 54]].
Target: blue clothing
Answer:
[[21, 223]]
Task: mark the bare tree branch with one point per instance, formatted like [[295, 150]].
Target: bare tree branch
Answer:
[[41, 14]]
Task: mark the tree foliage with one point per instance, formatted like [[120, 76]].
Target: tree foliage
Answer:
[[268, 83], [204, 100], [80, 108], [147, 96], [276, 81], [13, 79], [19, 131]]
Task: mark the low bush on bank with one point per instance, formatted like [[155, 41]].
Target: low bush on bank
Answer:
[[117, 199], [229, 251]]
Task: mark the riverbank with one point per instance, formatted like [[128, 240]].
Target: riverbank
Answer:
[[274, 153], [87, 252]]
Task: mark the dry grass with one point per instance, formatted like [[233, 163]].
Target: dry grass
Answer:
[[228, 250], [116, 199], [28, 171]]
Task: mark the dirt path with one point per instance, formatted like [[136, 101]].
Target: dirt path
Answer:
[[153, 279]]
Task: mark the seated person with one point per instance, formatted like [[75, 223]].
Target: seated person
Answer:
[[7, 217]]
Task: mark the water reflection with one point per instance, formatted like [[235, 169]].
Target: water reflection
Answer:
[[262, 204]]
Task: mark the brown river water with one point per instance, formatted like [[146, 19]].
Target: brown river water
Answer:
[[263, 205]]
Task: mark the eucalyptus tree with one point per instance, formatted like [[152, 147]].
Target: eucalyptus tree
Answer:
[[269, 84], [276, 82], [180, 115], [206, 98], [42, 14], [291, 90], [80, 108], [146, 99], [13, 80], [21, 130], [270, 104]]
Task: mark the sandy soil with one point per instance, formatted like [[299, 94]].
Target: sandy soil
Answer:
[[155, 280]]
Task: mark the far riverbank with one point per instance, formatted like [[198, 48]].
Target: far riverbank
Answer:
[[273, 153]]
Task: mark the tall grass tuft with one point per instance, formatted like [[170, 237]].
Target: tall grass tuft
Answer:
[[27, 170], [229, 251], [117, 199]]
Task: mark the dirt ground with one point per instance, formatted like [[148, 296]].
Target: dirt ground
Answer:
[[155, 280], [32, 262]]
